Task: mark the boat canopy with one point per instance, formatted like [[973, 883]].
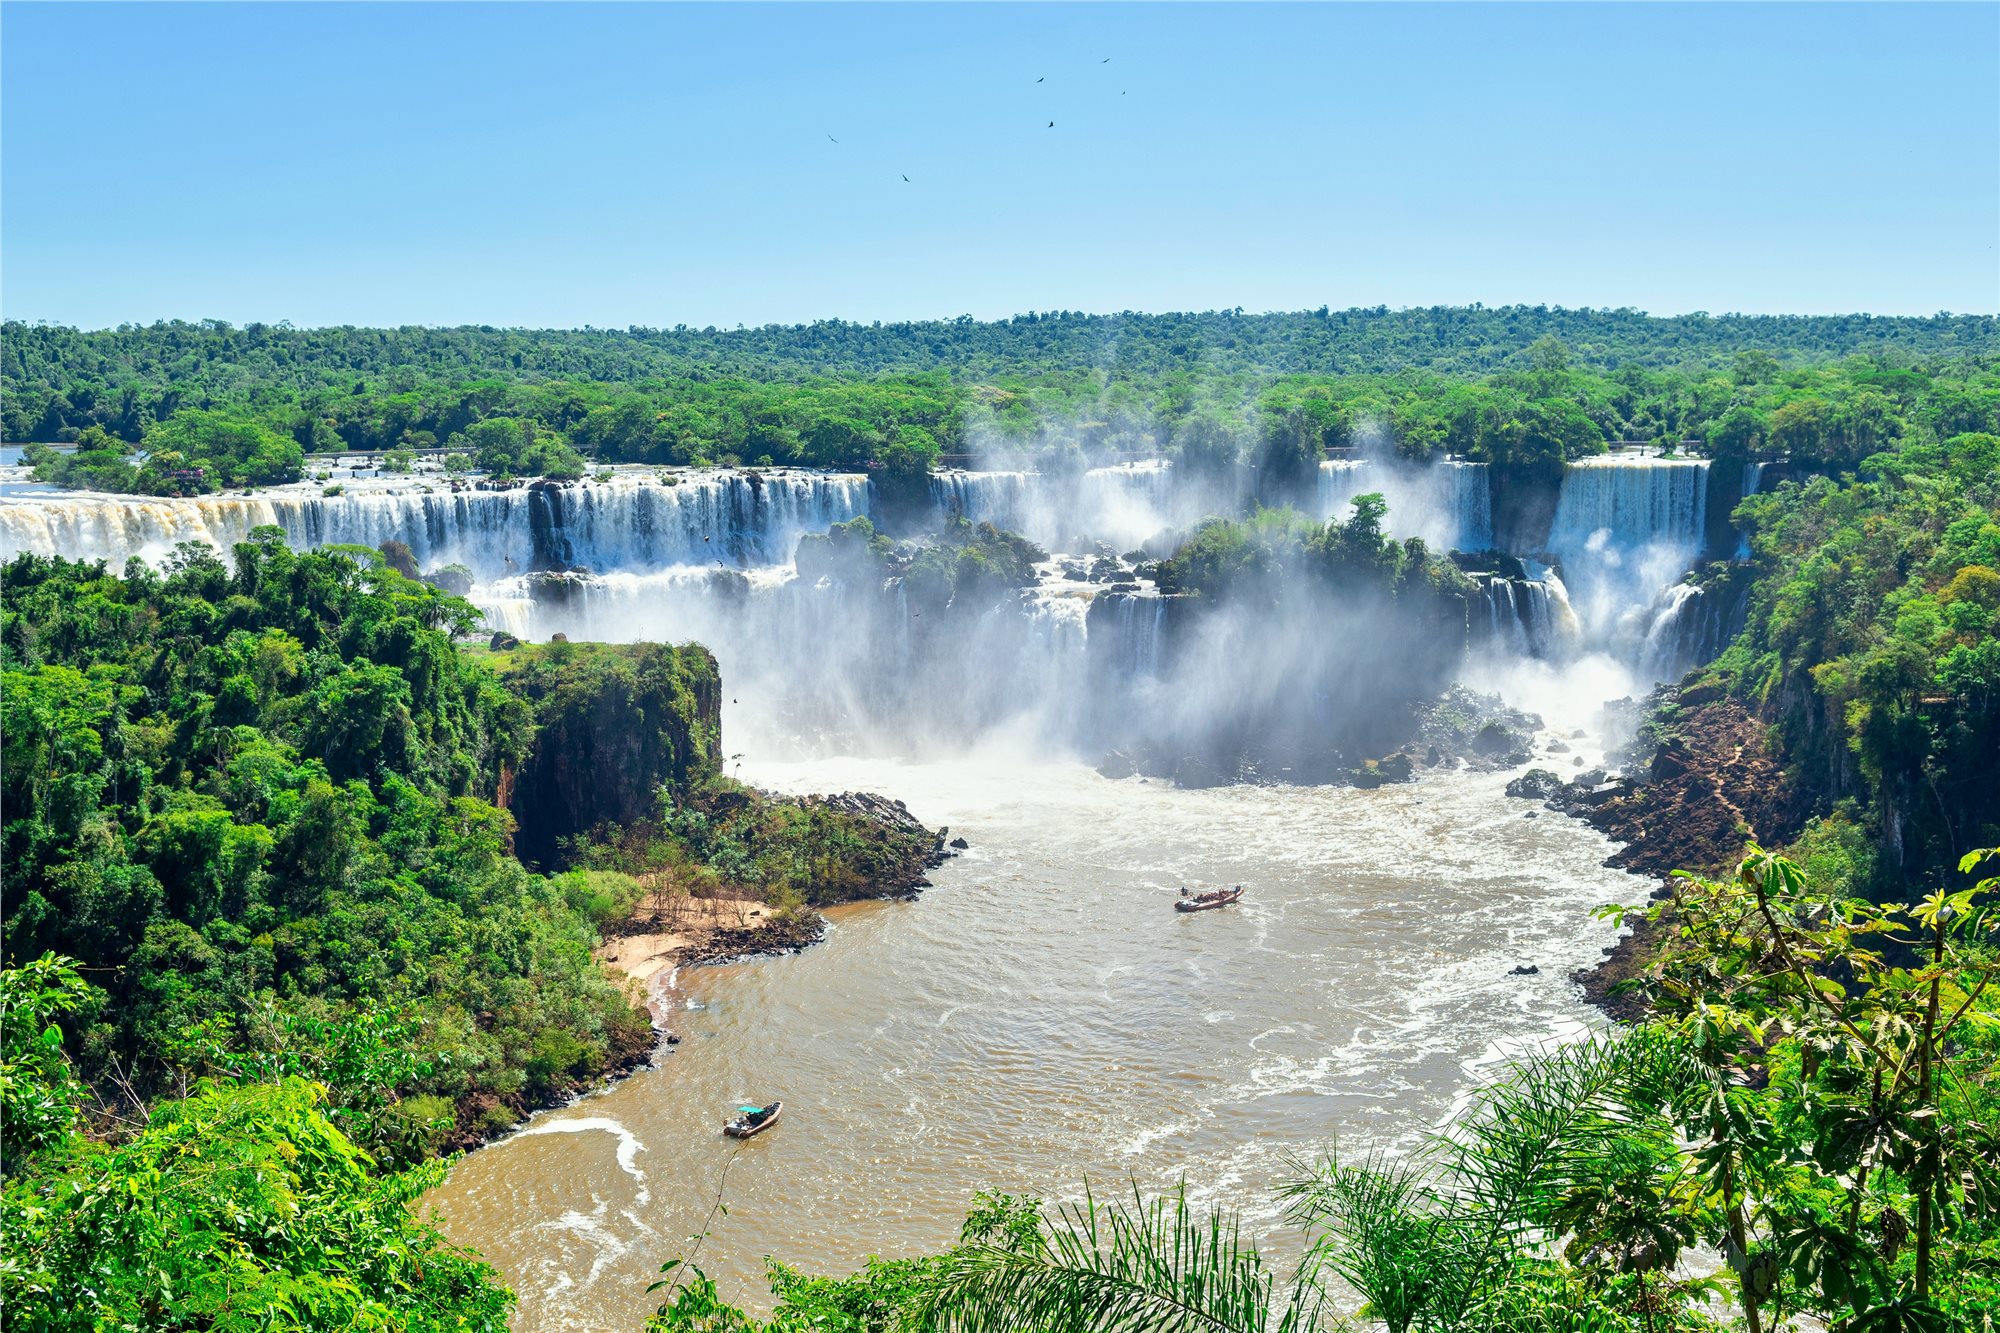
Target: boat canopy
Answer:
[[749, 1110]]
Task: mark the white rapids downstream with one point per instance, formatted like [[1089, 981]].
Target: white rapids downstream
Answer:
[[1042, 1017]]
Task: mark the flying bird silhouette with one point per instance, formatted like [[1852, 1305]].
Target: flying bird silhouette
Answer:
[[1052, 124], [906, 180], [1039, 80], [831, 139], [1105, 61]]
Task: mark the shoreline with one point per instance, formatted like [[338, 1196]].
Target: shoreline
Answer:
[[1710, 787], [642, 949]]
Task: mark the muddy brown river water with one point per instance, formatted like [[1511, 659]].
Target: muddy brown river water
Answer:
[[1042, 1016]]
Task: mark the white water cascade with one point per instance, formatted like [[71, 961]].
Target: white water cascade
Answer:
[[998, 498], [1447, 503], [1753, 482], [634, 521], [1121, 505], [1625, 530], [708, 555], [1530, 617]]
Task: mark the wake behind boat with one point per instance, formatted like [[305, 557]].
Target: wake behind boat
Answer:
[[1202, 902]]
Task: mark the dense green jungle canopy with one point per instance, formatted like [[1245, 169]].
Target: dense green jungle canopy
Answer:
[[217, 406]]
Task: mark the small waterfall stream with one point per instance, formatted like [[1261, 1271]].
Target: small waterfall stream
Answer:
[[1447, 503]]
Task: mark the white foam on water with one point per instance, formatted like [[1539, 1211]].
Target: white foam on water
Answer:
[[628, 1150]]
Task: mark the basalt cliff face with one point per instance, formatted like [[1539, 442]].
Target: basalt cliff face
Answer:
[[1713, 784], [614, 723]]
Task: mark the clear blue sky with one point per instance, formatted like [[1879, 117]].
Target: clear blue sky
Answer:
[[629, 164]]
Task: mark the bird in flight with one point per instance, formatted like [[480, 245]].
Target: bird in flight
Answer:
[[906, 180], [1052, 124], [831, 139], [1105, 61], [1039, 80]]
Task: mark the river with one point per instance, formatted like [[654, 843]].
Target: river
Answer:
[[1041, 1017]]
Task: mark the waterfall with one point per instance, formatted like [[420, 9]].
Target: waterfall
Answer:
[[1625, 530], [1127, 503], [1121, 505], [999, 498], [1689, 625], [1628, 503], [1128, 636], [1448, 503], [1753, 481], [742, 519], [736, 518], [1528, 616], [1674, 632]]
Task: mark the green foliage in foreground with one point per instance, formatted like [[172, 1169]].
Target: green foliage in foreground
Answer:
[[1834, 1143], [234, 1208]]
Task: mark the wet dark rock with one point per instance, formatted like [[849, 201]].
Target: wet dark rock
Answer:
[[503, 641], [1117, 764], [1396, 768], [1604, 791], [1199, 773], [454, 579], [1493, 739], [1526, 970], [959, 844], [1537, 784], [559, 637], [776, 935]]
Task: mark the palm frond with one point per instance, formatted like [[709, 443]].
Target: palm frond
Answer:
[[1554, 1124], [1096, 1267], [1381, 1227]]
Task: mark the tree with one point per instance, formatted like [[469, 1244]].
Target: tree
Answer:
[[233, 1207], [1849, 1008], [40, 1095]]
